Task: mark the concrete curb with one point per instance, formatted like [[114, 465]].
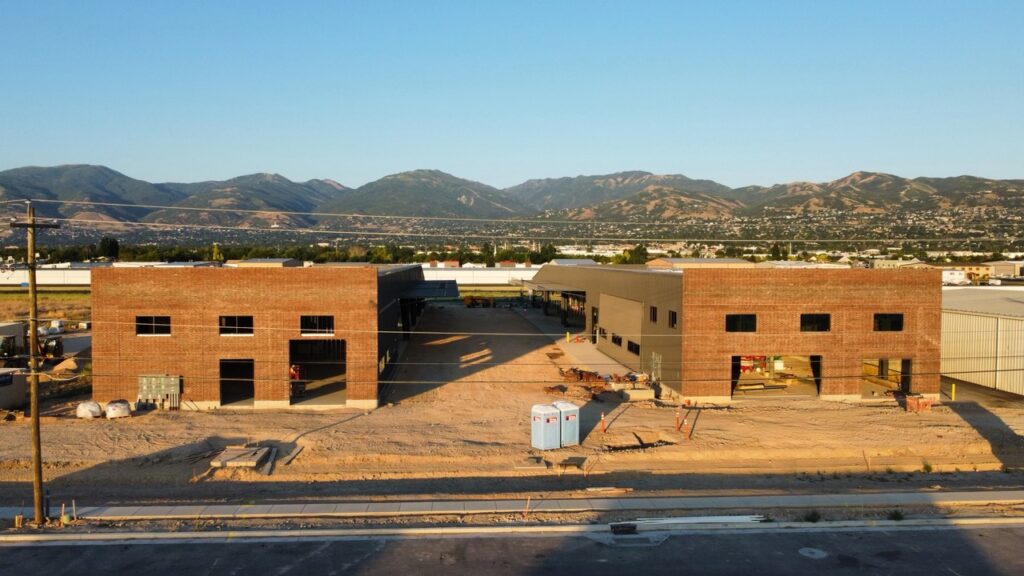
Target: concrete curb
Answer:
[[570, 530]]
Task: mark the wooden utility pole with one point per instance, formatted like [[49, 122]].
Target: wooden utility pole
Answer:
[[30, 225]]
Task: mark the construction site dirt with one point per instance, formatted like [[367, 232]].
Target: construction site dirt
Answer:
[[457, 421]]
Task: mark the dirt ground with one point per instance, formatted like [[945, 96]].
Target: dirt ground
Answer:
[[465, 436]]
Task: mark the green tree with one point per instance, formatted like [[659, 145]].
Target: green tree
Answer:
[[108, 247]]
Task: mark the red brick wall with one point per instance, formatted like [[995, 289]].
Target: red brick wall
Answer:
[[778, 297], [195, 298]]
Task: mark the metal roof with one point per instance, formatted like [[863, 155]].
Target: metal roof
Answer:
[[432, 289], [550, 287], [701, 260], [573, 262], [994, 301]]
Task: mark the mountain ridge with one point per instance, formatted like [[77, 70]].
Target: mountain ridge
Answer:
[[263, 199]]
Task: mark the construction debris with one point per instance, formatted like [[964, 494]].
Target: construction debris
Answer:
[[531, 463], [240, 457], [268, 468], [291, 456]]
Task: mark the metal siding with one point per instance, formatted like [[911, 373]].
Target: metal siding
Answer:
[[969, 348], [1010, 376]]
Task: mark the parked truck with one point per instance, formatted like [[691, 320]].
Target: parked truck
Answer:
[[12, 345]]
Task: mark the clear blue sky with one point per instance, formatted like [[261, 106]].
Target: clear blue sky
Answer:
[[739, 92]]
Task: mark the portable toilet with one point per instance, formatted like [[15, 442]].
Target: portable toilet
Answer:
[[544, 427], [569, 419]]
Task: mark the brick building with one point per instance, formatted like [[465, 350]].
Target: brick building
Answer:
[[720, 334], [315, 337]]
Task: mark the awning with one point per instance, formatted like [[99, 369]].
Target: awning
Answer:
[[423, 289], [550, 287]]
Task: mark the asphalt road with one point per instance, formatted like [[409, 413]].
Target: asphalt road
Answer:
[[861, 551]]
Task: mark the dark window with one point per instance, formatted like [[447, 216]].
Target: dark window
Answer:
[[236, 324], [633, 347], [815, 322], [602, 333], [616, 339], [316, 324], [654, 314], [150, 325], [741, 322], [673, 318], [888, 322]]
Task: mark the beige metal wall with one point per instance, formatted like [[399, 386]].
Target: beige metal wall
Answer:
[[660, 345], [984, 350]]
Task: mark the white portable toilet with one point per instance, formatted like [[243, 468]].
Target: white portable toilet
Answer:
[[545, 432], [569, 422]]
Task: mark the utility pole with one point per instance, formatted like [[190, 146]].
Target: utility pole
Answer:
[[30, 225]]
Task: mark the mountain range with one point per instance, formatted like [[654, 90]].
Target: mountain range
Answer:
[[259, 200]]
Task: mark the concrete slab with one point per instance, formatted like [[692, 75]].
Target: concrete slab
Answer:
[[220, 510], [290, 509], [118, 511], [318, 509], [252, 510], [509, 506], [154, 511], [351, 508], [189, 511], [449, 506], [383, 507], [424, 506]]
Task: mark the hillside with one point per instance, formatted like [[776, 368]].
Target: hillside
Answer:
[[82, 182], [657, 203], [428, 193], [633, 196], [220, 202], [582, 191], [873, 192]]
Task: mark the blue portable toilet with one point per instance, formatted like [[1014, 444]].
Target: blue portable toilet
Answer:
[[545, 430], [569, 419]]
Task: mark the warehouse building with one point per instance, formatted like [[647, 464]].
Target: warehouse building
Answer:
[[316, 337], [719, 334], [983, 337]]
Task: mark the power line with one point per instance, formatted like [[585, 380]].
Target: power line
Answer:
[[555, 381], [554, 335]]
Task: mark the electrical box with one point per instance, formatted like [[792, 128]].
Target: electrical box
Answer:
[[161, 391], [569, 419], [545, 427]]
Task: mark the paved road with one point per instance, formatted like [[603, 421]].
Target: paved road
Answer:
[[859, 551]]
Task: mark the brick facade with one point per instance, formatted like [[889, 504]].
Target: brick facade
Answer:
[[779, 297], [696, 355], [195, 298]]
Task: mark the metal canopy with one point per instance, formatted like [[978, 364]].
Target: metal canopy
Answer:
[[550, 287], [431, 289]]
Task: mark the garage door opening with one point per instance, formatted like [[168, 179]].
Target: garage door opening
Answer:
[[237, 383], [776, 376], [317, 372], [882, 377]]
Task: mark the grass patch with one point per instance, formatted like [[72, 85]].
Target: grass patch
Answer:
[[896, 515], [812, 516]]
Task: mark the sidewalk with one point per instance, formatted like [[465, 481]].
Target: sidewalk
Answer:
[[519, 506]]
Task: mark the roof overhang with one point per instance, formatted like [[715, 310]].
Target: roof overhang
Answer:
[[423, 289], [550, 287]]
